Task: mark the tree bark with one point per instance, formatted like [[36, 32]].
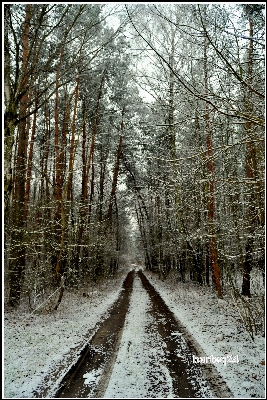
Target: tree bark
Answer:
[[29, 166], [211, 204], [115, 173], [10, 117], [17, 265], [251, 176]]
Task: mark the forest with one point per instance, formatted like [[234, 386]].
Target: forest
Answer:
[[133, 131]]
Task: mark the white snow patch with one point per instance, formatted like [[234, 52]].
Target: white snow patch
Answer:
[[92, 378]]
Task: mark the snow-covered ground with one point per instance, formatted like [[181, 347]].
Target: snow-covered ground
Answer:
[[216, 326], [36, 347], [42, 344], [138, 346], [140, 369]]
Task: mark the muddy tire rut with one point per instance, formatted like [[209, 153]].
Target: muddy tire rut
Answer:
[[99, 355]]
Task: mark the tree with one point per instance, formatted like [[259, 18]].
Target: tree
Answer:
[[254, 206], [218, 88], [32, 31], [82, 149]]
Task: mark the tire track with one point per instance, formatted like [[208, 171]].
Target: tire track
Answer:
[[139, 370], [98, 356], [91, 375], [189, 380]]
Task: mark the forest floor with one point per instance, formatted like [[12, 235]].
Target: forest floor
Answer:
[[134, 336]]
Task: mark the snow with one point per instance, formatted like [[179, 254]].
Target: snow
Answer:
[[219, 332], [139, 364], [92, 378], [40, 346], [40, 349]]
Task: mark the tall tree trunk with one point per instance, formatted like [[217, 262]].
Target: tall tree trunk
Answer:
[[58, 273], [212, 238], [44, 165], [251, 176], [92, 148], [91, 190], [17, 265], [10, 117], [73, 128], [79, 251], [84, 168], [115, 173], [58, 177], [30, 158], [101, 185]]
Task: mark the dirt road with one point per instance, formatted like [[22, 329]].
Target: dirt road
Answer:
[[168, 349]]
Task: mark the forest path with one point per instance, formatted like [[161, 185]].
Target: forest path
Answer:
[[141, 350]]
